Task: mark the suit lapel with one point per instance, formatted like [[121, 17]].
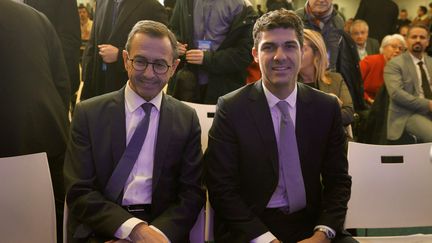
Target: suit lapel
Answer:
[[118, 126], [260, 111], [163, 137], [412, 69], [304, 119]]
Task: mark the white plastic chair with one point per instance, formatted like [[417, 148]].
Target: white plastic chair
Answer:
[[392, 188], [205, 116], [27, 210]]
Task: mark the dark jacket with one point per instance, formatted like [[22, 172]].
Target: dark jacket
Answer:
[[227, 65]]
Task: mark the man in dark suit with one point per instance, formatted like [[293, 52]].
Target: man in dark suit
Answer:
[[380, 15], [34, 91], [103, 69], [160, 194], [360, 33], [263, 175], [63, 14], [408, 81]]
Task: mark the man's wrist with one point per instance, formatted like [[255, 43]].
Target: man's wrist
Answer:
[[328, 232]]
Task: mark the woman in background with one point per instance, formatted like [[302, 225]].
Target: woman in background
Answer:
[[313, 72], [372, 66]]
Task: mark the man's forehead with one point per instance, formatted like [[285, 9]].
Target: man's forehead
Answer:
[[279, 34]]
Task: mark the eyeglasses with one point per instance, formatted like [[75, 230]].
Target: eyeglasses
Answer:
[[141, 64]]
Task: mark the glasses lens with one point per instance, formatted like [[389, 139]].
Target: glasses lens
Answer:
[[140, 64], [160, 68]]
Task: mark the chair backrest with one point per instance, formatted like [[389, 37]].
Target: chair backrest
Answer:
[[27, 211], [392, 186], [205, 116]]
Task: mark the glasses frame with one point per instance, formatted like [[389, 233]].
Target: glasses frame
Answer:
[[145, 68]]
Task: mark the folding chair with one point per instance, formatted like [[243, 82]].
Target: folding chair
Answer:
[[27, 209], [392, 188], [205, 116]]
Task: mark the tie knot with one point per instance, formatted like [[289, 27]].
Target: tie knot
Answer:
[[283, 107], [147, 107], [420, 63]]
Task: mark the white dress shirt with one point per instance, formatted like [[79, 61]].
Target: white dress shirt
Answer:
[[138, 187]]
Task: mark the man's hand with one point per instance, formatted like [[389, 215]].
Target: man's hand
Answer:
[[109, 53], [195, 56], [181, 48], [142, 233], [317, 237]]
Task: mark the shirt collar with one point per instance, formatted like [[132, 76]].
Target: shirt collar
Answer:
[[415, 59], [133, 101], [272, 100]]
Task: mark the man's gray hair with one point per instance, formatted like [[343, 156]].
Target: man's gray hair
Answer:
[[154, 29]]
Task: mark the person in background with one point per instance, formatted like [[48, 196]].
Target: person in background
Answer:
[[403, 30], [215, 48], [372, 67], [34, 93], [86, 23], [365, 45], [313, 72], [319, 15], [63, 14], [402, 20], [408, 81], [265, 179], [133, 165], [422, 17], [103, 69], [278, 4]]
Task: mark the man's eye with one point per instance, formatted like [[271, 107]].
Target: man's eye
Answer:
[[140, 61]]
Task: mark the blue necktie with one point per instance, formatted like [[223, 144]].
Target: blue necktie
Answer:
[[120, 174], [289, 161]]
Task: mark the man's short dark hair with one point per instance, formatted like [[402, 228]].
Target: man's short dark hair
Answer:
[[404, 10], [280, 18], [422, 26], [423, 9], [153, 29]]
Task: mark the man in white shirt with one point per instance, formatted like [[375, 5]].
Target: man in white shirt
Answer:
[[270, 145], [157, 195], [408, 82], [360, 33]]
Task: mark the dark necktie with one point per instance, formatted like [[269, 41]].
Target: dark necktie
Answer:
[[425, 83], [289, 161], [120, 174]]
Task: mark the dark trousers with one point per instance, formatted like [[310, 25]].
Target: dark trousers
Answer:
[[292, 228]]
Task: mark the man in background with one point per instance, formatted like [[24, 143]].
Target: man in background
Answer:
[[34, 92], [63, 14], [408, 82], [360, 33]]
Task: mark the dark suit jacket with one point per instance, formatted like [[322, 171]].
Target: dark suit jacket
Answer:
[[242, 161], [372, 46], [34, 86], [381, 16], [63, 14], [98, 140], [96, 81]]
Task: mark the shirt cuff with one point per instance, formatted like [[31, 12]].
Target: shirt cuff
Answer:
[[264, 238], [160, 232], [326, 227], [126, 228]]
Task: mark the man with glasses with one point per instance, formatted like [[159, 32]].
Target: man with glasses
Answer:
[[133, 164]]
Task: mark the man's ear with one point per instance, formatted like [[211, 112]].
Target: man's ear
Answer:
[[255, 54], [174, 66], [125, 59]]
